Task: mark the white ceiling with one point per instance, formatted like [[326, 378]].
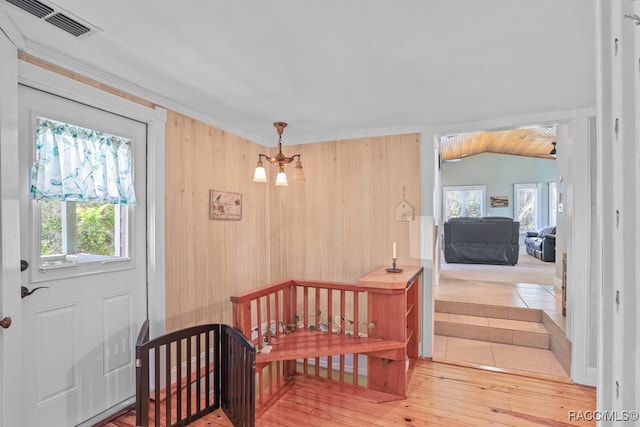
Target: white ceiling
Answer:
[[333, 68]]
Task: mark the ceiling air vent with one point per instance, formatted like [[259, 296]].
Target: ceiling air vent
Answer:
[[67, 24], [34, 7], [56, 16]]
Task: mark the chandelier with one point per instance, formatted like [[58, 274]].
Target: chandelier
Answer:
[[279, 160]]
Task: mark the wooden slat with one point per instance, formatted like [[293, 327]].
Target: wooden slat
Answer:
[[530, 142], [439, 395], [305, 344]]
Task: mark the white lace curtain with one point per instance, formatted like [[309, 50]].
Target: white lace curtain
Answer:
[[77, 164]]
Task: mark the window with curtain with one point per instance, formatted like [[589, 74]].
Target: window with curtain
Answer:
[[82, 180]]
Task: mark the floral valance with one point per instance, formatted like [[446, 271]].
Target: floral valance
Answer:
[[82, 165]]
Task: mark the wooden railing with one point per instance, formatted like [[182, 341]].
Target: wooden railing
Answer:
[[331, 330], [186, 374]]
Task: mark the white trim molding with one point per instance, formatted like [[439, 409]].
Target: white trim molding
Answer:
[[11, 31], [579, 280]]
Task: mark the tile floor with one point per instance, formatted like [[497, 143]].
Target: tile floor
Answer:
[[527, 295], [496, 356]]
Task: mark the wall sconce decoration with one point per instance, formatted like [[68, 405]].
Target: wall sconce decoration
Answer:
[[279, 160]]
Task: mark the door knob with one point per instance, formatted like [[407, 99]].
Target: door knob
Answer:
[[25, 292], [5, 322]]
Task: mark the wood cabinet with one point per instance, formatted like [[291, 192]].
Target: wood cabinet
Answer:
[[394, 307]]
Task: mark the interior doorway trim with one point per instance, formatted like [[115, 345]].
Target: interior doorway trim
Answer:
[[580, 130]]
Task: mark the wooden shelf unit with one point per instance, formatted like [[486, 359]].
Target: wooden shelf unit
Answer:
[[394, 307]]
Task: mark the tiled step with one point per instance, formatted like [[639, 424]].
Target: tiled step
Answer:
[[505, 325], [485, 310]]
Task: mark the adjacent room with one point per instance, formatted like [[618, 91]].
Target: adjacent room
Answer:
[[507, 176]]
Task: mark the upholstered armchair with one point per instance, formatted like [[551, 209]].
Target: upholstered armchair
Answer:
[[542, 244]]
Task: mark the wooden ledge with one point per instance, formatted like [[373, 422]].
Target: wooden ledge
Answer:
[[381, 279], [304, 344]]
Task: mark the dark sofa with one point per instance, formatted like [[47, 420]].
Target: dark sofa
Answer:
[[542, 244], [486, 240]]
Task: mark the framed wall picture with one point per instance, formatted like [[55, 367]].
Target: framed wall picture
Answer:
[[225, 205], [499, 201]]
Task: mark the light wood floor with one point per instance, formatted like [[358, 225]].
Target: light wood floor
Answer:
[[439, 395]]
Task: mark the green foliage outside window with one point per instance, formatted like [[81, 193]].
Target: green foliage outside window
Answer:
[[526, 208], [95, 225], [463, 203]]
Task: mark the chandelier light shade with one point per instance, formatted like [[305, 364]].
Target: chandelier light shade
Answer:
[[260, 175], [279, 160]]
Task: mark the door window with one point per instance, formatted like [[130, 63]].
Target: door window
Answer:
[[73, 232], [82, 181]]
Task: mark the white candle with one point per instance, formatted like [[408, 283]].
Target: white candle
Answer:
[[394, 250]]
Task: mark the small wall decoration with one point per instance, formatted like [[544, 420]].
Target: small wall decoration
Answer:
[[499, 201], [404, 211], [225, 205]]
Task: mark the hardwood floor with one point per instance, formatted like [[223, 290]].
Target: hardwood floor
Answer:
[[439, 395]]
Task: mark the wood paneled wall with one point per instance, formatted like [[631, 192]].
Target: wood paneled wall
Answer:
[[209, 260], [340, 224]]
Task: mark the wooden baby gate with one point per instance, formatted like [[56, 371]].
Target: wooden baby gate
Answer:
[[189, 373]]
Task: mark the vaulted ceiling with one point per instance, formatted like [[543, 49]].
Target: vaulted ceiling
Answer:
[[530, 142], [331, 69]]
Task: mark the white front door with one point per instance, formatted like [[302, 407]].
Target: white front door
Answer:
[[78, 329]]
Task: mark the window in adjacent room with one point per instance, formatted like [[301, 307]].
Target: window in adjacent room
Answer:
[[462, 201], [527, 206]]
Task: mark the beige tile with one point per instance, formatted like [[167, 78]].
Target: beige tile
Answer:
[[558, 319], [511, 324], [450, 329], [532, 292], [519, 358], [469, 351], [496, 335], [531, 339], [439, 347], [553, 289], [537, 327], [443, 306], [457, 330], [468, 320], [519, 285], [506, 301], [488, 311], [524, 314], [542, 305], [553, 366]]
